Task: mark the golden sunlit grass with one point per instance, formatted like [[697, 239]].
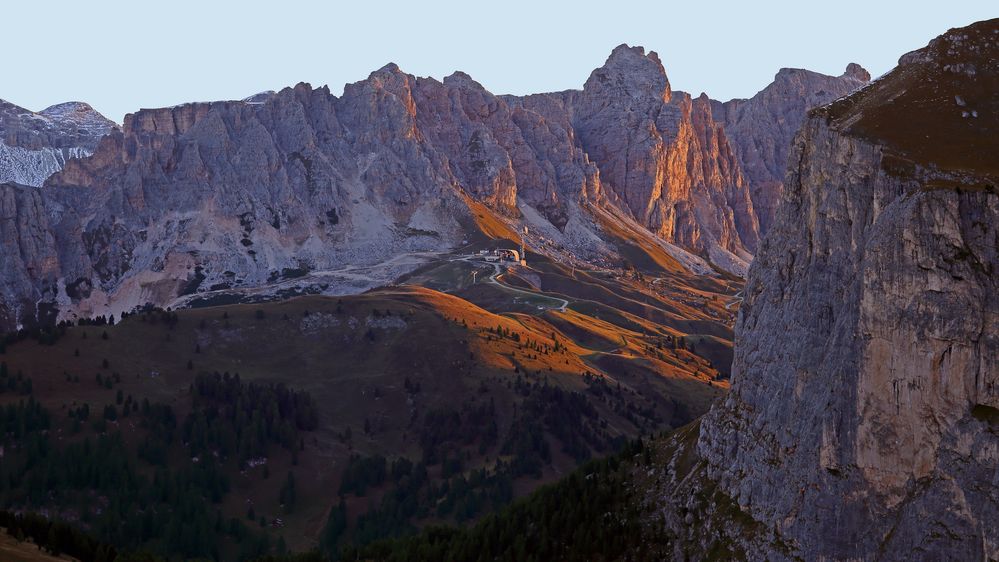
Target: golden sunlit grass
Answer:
[[636, 247], [488, 223]]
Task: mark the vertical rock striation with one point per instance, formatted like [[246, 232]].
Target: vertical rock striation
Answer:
[[29, 259]]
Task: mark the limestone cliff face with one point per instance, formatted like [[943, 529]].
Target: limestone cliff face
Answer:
[[761, 128], [863, 422], [34, 146], [502, 152], [28, 260]]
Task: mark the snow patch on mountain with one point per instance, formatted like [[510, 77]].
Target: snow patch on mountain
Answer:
[[33, 167], [76, 114], [35, 145]]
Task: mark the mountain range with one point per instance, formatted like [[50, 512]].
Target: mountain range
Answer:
[[226, 196], [782, 311]]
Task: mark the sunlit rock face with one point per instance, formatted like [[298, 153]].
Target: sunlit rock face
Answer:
[[863, 422], [503, 152], [33, 146], [663, 156]]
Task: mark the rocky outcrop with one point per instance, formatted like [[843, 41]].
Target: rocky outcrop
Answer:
[[34, 146], [863, 422], [761, 128]]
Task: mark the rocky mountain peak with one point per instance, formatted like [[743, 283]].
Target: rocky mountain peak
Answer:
[[857, 72], [167, 120], [631, 72], [971, 45], [71, 110], [85, 118], [34, 145], [761, 128], [259, 97], [460, 79], [787, 73], [389, 68], [58, 120], [388, 79]]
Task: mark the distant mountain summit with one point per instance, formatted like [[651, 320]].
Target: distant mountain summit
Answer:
[[34, 146]]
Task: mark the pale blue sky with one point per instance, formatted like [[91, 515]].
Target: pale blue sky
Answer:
[[123, 55]]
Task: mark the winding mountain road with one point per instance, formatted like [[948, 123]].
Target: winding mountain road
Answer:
[[498, 269]]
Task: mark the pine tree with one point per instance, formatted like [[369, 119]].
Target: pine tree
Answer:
[[287, 496]]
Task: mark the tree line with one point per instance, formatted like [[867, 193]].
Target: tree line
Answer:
[[130, 496]]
